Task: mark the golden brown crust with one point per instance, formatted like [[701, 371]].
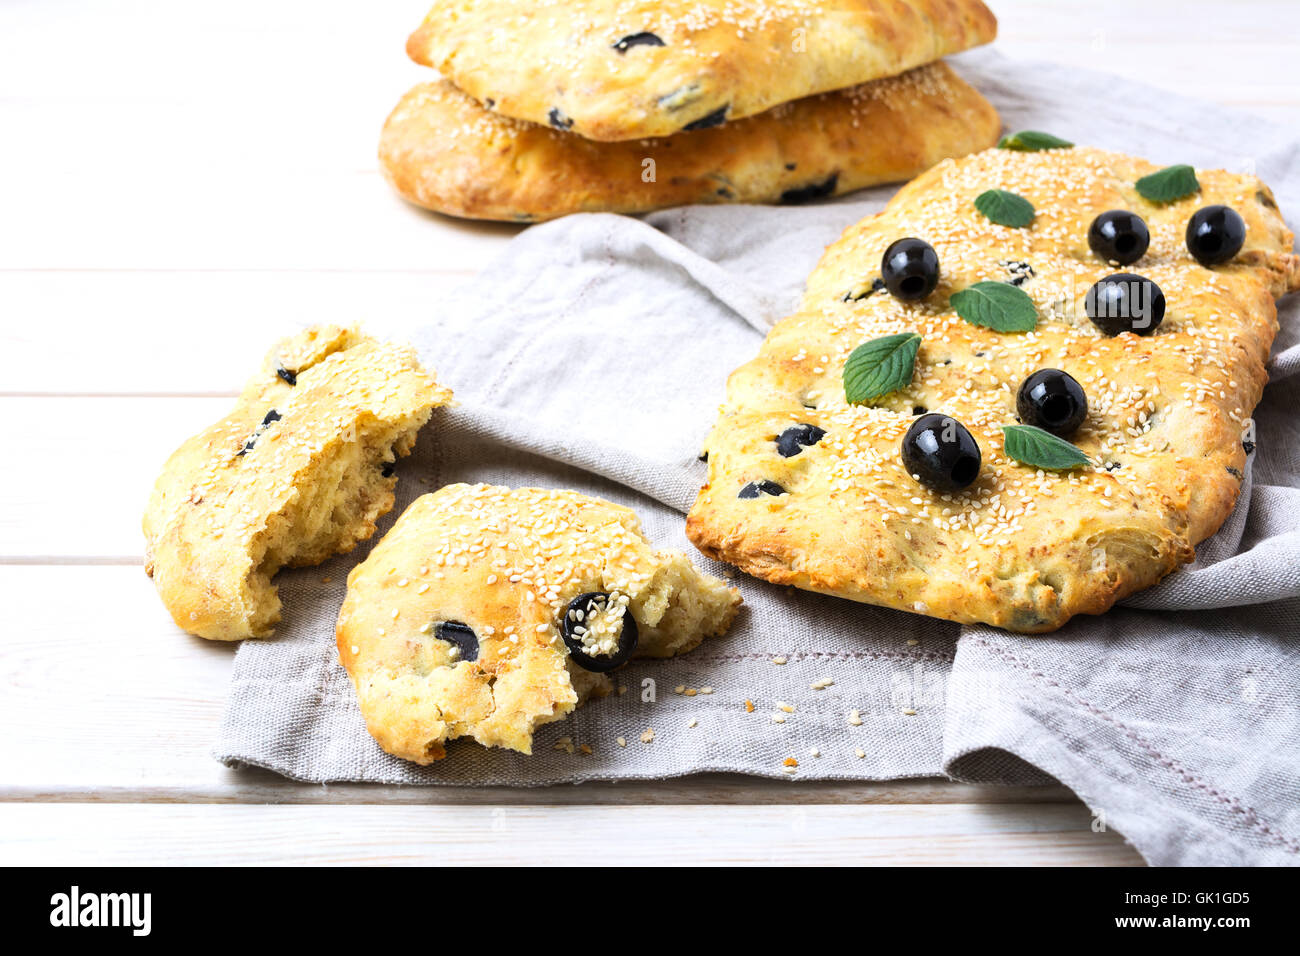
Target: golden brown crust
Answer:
[[442, 151], [504, 563], [1021, 549], [251, 494], [561, 62]]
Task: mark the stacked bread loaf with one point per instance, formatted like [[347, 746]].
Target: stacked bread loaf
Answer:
[[561, 106]]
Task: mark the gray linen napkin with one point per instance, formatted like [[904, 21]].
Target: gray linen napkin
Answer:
[[593, 353]]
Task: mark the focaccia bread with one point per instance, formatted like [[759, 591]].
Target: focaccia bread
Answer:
[[631, 69], [1023, 547], [440, 149], [461, 620], [299, 471]]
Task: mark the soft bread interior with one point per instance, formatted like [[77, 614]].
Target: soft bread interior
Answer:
[[340, 496], [679, 607]]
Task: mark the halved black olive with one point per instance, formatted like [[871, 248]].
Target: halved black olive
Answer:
[[716, 118], [637, 39], [460, 636], [826, 187], [574, 626], [290, 378], [764, 487], [798, 437]]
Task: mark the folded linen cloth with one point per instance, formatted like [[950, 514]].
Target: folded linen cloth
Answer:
[[592, 355]]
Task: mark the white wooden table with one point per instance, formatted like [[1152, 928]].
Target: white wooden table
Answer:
[[178, 182]]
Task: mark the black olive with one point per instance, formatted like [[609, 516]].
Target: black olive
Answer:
[[1019, 271], [860, 292], [940, 453], [1215, 234], [919, 409], [792, 197], [1053, 401], [764, 487], [1119, 236], [558, 119], [716, 118], [637, 39], [798, 437], [271, 416], [572, 628], [910, 268], [1125, 302], [289, 377], [458, 635]]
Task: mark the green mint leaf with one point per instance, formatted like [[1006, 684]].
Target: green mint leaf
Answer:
[[997, 306], [1033, 446], [1032, 141], [880, 366], [1004, 208], [1169, 184]]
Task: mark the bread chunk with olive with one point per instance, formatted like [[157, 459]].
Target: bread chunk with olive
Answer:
[[488, 611], [299, 471]]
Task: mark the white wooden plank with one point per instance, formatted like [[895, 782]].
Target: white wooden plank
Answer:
[[545, 836], [233, 135], [183, 333], [1198, 50], [79, 471], [237, 220]]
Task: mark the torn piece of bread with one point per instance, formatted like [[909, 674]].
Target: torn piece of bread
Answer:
[[487, 611], [300, 470]]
